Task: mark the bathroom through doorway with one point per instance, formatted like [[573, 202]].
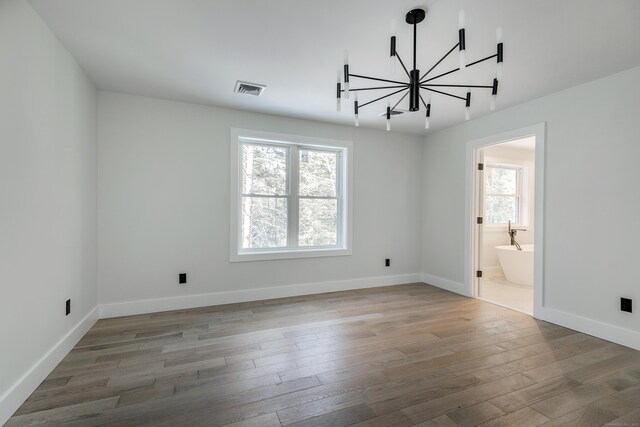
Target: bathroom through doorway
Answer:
[[506, 256]]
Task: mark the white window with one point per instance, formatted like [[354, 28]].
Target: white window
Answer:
[[290, 196], [503, 194]]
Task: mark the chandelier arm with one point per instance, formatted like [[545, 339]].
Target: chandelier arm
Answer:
[[374, 88], [402, 63], [438, 63], [376, 78], [424, 103], [440, 75], [445, 93], [382, 97], [482, 60], [424, 86], [403, 97]]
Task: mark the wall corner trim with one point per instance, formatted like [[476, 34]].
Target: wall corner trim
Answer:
[[128, 308], [11, 400], [446, 284]]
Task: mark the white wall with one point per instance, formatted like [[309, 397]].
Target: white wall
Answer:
[[592, 200], [498, 235], [47, 199], [164, 206]]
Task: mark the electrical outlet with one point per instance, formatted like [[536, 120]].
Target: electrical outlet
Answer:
[[625, 304], [68, 307], [387, 262], [182, 278]]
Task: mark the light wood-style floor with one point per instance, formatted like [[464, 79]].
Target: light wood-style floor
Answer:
[[396, 356]]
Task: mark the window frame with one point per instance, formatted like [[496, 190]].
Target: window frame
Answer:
[[293, 143], [518, 195]]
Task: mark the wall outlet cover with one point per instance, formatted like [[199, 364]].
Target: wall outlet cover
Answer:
[[182, 278], [626, 305]]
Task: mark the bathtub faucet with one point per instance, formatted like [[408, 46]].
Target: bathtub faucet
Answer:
[[512, 236]]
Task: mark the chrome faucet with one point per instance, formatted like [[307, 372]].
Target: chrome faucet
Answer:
[[512, 236]]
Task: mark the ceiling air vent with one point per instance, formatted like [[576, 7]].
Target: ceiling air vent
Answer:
[[394, 113], [247, 88]]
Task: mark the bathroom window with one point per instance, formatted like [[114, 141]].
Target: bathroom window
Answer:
[[291, 197], [503, 194]]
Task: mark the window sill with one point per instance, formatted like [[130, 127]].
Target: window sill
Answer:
[[288, 254]]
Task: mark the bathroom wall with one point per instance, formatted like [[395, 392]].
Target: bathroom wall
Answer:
[[497, 235]]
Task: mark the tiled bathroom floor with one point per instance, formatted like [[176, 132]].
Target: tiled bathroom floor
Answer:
[[501, 292]]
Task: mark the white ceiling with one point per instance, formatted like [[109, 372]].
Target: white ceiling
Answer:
[[195, 50]]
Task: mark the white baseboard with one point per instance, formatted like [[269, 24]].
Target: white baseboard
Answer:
[[606, 331], [11, 400], [446, 284], [202, 300]]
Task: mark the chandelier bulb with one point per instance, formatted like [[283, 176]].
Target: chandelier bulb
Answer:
[[392, 51], [467, 108], [500, 51], [388, 114], [494, 95], [346, 74], [426, 123], [355, 109], [338, 93]]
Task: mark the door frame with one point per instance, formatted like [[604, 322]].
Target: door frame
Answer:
[[470, 253]]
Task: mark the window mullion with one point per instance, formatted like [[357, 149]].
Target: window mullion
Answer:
[[293, 225]]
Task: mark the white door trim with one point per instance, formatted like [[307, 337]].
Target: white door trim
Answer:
[[539, 131]]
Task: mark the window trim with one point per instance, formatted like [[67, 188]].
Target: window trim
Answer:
[[518, 195], [345, 205]]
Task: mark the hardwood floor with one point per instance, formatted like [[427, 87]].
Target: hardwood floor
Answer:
[[396, 356]]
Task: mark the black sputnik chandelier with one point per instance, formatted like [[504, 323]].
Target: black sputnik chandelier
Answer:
[[418, 83]]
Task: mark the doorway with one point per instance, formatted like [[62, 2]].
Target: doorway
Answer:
[[505, 189]]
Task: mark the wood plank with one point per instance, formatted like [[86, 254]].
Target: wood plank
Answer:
[[393, 356], [522, 417], [475, 414]]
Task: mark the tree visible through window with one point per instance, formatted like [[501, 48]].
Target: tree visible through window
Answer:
[[502, 194], [291, 196], [264, 196]]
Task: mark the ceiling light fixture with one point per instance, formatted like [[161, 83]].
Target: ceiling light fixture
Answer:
[[419, 82]]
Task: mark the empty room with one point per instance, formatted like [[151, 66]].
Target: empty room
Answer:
[[319, 213]]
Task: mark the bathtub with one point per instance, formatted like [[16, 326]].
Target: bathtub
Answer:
[[517, 265]]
